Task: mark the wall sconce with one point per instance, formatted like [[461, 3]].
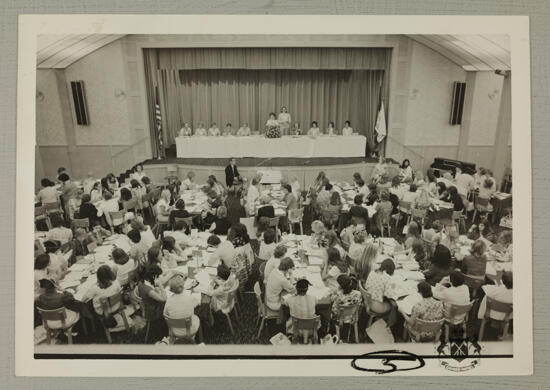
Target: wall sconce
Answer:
[[40, 96], [119, 93], [494, 94]]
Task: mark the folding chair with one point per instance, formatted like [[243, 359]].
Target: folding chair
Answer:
[[499, 307], [181, 324], [457, 315], [348, 315], [367, 300], [264, 312], [274, 223], [56, 315], [113, 305], [296, 216], [307, 328], [422, 328], [40, 214]]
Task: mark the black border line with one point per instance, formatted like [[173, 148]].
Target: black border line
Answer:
[[50, 356]]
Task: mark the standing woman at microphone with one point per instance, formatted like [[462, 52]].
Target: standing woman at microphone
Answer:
[[284, 121]]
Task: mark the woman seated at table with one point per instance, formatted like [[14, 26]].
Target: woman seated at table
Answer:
[[112, 182], [185, 131], [48, 193], [406, 171], [214, 131], [171, 253], [334, 242], [330, 213], [178, 212], [475, 264], [223, 251], [58, 232], [410, 195], [221, 223], [153, 296], [267, 245], [330, 129], [486, 231], [224, 282], [274, 261], [455, 293], [138, 249], [428, 309], [279, 282], [107, 285], [88, 210], [200, 131], [440, 265], [418, 253], [380, 170], [379, 286], [189, 182], [486, 190], [441, 190], [504, 246], [334, 265], [215, 185], [359, 214], [366, 263], [346, 294], [123, 263], [347, 130], [244, 131], [181, 305], [129, 203], [147, 235], [289, 198], [301, 305], [396, 188], [454, 198], [314, 130], [383, 207], [271, 121], [41, 263], [432, 182], [51, 298], [163, 206], [96, 194], [501, 293], [358, 245], [228, 130], [423, 201], [372, 196]]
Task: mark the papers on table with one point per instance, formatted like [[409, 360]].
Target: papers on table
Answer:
[[501, 195], [189, 283], [406, 304]]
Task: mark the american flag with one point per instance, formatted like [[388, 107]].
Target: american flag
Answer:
[[158, 118]]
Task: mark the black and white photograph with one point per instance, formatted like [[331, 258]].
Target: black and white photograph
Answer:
[[225, 195]]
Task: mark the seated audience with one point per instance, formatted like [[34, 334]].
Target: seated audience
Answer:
[[274, 260], [423, 200], [138, 249], [107, 285], [181, 304], [428, 309], [225, 282], [301, 305], [413, 233], [501, 293], [359, 214], [124, 264], [48, 193], [278, 282], [267, 245], [221, 223], [372, 196], [346, 295], [289, 198], [454, 198], [58, 232], [178, 212], [224, 251], [410, 195], [440, 265], [88, 210], [52, 298], [171, 253], [396, 188], [379, 286], [358, 246], [474, 265], [456, 293]]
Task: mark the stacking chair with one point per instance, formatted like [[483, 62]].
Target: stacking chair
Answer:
[[127, 279], [56, 315], [188, 221], [404, 208], [182, 323], [459, 218], [274, 223], [80, 223], [498, 307], [115, 218], [264, 312], [232, 296], [457, 315], [348, 315], [367, 302], [422, 327], [53, 208], [159, 226], [474, 284], [40, 214], [418, 214], [296, 216], [307, 328], [384, 223], [481, 205], [113, 305]]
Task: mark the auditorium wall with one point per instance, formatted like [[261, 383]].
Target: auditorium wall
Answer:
[[110, 143]]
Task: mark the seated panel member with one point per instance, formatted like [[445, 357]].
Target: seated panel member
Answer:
[[200, 131], [314, 131], [214, 131], [347, 130], [244, 130]]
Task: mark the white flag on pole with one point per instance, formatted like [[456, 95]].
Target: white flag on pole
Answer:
[[380, 126]]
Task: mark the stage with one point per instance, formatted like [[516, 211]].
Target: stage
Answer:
[[304, 169]]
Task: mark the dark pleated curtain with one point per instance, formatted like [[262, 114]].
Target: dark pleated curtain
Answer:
[[211, 85]]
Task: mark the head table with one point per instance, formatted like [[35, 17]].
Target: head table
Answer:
[[259, 146]]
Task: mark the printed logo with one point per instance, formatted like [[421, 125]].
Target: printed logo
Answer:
[[459, 354]]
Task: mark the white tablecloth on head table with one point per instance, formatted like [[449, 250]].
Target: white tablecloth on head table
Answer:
[[257, 146]]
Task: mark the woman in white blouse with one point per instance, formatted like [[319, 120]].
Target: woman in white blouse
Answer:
[[214, 131], [330, 129], [163, 206], [314, 131], [347, 130], [284, 121], [244, 130], [138, 173], [200, 131], [48, 193], [272, 121], [406, 172], [185, 131]]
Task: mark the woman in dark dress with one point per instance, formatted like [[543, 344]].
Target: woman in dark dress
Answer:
[[234, 204]]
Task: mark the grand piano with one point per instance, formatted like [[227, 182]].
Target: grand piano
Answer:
[[442, 165]]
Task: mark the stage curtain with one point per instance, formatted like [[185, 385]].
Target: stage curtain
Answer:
[[239, 96], [273, 58]]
